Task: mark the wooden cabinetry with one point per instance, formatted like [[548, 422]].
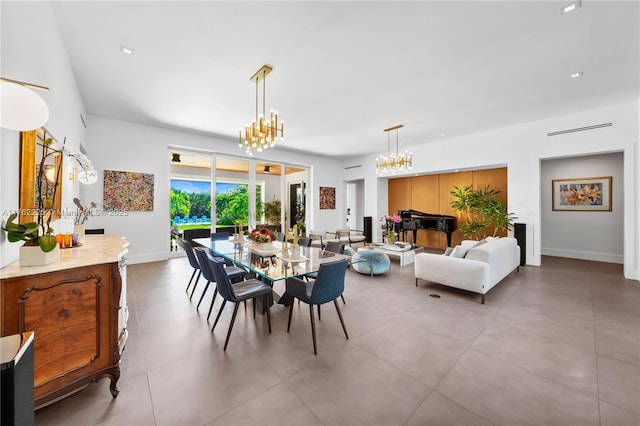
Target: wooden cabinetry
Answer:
[[432, 194], [77, 309]]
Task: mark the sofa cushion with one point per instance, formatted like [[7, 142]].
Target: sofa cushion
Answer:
[[448, 251], [461, 250]]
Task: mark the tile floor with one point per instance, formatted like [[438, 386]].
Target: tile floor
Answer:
[[554, 345]]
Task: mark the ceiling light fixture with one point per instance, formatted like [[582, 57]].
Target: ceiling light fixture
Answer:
[[22, 108], [126, 50], [571, 7], [576, 74], [267, 169], [175, 157], [394, 162], [261, 134]]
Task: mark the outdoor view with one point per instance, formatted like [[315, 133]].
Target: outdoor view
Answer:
[[191, 204]]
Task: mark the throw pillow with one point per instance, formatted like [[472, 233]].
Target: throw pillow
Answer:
[[481, 242], [448, 251], [461, 250]]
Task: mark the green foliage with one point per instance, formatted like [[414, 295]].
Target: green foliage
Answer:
[[180, 204], [481, 210], [232, 208], [28, 232], [272, 211]]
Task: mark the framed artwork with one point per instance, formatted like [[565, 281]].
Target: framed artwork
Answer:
[[128, 191], [327, 197], [582, 194]]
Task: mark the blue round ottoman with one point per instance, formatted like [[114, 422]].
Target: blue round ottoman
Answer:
[[371, 262]]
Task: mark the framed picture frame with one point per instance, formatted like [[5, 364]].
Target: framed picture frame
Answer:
[[327, 197], [592, 194]]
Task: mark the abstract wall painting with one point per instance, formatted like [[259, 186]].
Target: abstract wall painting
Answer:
[[128, 191], [582, 194], [327, 197]]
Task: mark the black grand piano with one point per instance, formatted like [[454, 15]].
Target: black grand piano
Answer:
[[412, 220]]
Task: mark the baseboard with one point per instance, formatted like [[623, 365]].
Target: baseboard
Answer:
[[584, 255], [146, 258]]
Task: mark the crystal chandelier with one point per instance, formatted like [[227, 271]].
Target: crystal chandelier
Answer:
[[261, 134], [394, 162]]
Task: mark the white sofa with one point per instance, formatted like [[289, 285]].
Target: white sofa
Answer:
[[482, 268]]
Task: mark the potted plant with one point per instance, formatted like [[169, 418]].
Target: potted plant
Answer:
[[40, 244], [481, 211], [272, 211]]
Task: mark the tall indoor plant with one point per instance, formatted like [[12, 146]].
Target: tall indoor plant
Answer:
[[481, 211]]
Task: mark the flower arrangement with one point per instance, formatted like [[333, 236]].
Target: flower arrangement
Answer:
[[262, 235], [390, 222], [40, 233], [390, 219]]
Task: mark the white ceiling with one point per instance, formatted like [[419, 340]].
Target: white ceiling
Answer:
[[343, 71]]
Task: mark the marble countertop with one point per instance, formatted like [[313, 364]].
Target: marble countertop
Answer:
[[97, 249]]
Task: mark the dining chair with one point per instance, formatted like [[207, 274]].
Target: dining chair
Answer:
[[326, 288], [334, 247], [193, 261], [249, 289], [304, 241], [204, 259], [217, 236]]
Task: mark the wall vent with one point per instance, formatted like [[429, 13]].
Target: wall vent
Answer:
[[580, 129], [353, 167], [84, 123]]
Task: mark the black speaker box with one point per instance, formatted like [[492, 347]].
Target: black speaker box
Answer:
[[16, 380], [367, 231], [520, 234]]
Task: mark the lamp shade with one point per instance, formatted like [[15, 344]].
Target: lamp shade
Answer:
[[21, 108]]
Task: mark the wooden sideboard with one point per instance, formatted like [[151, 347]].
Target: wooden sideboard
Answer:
[[77, 309]]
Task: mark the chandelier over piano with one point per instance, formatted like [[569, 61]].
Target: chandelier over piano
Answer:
[[394, 162], [261, 133]]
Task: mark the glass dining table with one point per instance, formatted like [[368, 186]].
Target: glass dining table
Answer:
[[273, 262]]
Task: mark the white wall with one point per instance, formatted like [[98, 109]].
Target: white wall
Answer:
[[32, 50], [125, 146], [521, 148], [580, 234]]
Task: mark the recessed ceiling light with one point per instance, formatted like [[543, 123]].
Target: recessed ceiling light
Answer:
[[576, 74], [443, 134], [127, 50], [571, 7]]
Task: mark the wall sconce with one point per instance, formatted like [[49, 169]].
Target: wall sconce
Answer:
[[72, 175], [22, 108]]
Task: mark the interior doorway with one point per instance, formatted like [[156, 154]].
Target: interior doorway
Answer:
[[354, 213]]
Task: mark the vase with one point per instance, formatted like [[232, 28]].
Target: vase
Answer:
[[34, 256], [262, 246], [79, 229]]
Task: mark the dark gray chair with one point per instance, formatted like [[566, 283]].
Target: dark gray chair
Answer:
[[193, 261], [334, 247], [204, 259], [304, 241], [249, 289], [218, 236], [326, 288]]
